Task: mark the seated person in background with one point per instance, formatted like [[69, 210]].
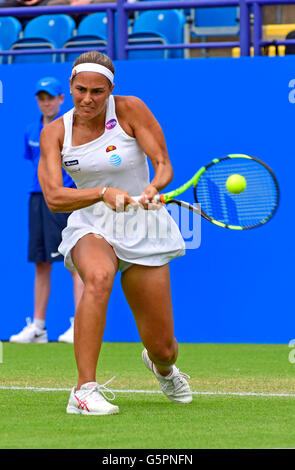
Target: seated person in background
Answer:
[[77, 2], [32, 3], [22, 3]]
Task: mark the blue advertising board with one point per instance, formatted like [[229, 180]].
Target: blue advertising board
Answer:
[[232, 286]]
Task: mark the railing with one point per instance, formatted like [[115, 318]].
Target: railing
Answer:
[[109, 8], [123, 8], [257, 29]]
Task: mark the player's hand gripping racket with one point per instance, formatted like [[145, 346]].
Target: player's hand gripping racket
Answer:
[[235, 192]]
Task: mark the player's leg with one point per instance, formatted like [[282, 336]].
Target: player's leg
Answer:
[[148, 292], [97, 265], [78, 287]]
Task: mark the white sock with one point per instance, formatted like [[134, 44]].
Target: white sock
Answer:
[[39, 323], [163, 376]]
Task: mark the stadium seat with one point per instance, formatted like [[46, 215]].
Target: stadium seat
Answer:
[[32, 43], [95, 24], [188, 11], [146, 38], [277, 31], [81, 41], [219, 21], [168, 23], [274, 32], [92, 31], [10, 29], [54, 28]]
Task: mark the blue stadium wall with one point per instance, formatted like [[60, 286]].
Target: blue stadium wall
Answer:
[[237, 286]]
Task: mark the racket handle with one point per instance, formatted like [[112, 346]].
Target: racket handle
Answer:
[[136, 198], [157, 198]]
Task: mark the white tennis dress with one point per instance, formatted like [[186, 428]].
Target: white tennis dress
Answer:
[[146, 237]]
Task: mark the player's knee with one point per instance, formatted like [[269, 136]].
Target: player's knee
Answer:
[[99, 283]]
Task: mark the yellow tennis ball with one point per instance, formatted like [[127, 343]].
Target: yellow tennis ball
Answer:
[[236, 184]]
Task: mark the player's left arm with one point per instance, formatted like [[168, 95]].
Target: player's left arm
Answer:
[[149, 135]]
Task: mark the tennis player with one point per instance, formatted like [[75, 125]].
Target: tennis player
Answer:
[[102, 143], [44, 227]]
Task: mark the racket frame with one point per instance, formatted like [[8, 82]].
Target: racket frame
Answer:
[[169, 198]]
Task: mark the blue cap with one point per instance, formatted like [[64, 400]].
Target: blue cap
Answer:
[[51, 85]]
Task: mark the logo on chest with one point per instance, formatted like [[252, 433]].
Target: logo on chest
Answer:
[[115, 160], [110, 148], [71, 162], [111, 124]]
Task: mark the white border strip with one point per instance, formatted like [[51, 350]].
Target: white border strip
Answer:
[[239, 394]]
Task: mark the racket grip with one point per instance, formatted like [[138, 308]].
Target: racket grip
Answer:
[[157, 198], [136, 198]]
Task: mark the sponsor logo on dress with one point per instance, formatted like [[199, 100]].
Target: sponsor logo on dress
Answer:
[[115, 160], [110, 148], [136, 223], [111, 124], [71, 162]]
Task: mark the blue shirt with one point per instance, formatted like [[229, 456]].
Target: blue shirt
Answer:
[[32, 152]]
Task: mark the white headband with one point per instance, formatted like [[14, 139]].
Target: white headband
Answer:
[[90, 67]]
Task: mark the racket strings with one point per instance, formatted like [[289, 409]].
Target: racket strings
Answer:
[[251, 207]]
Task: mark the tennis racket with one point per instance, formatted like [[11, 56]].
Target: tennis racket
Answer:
[[253, 207]]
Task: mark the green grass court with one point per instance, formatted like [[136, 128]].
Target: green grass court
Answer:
[[244, 399]]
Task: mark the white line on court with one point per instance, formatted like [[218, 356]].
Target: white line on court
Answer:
[[240, 394]]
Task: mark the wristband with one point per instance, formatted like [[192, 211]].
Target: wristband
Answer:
[[103, 193]]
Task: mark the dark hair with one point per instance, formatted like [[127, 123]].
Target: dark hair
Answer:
[[95, 57]]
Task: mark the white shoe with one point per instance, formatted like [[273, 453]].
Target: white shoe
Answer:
[[30, 334], [68, 336], [90, 399], [174, 385]]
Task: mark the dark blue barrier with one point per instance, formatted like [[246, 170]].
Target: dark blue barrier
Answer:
[[236, 287]]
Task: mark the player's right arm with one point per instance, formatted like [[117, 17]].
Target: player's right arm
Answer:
[[58, 197]]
